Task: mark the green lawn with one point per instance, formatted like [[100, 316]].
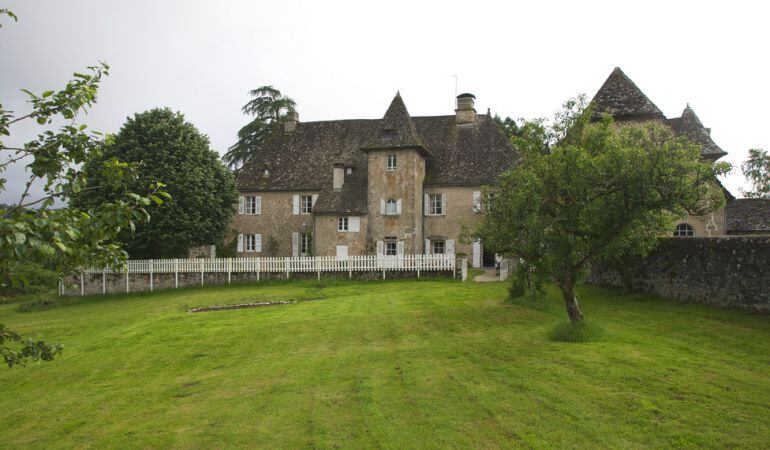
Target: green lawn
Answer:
[[391, 364]]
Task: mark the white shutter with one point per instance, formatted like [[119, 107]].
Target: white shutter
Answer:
[[427, 204], [257, 242], [450, 246], [342, 252], [258, 204], [295, 205], [427, 246], [476, 201], [315, 197], [380, 248], [398, 207], [400, 248], [241, 204], [382, 206], [354, 224], [295, 244], [443, 204], [476, 262], [240, 241]]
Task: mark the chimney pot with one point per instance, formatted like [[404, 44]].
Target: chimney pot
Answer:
[[290, 122], [465, 113]]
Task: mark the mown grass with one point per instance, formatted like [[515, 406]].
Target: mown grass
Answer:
[[397, 364]]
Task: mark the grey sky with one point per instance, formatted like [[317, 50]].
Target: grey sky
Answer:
[[347, 59]]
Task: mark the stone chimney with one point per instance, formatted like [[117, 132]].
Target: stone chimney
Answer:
[[465, 114], [290, 122], [339, 176]]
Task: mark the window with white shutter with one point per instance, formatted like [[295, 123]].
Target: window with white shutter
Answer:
[[257, 243], [400, 248], [354, 224], [295, 204], [382, 206], [427, 246], [380, 248], [240, 242], [398, 207], [295, 244], [436, 204], [391, 207], [450, 246], [477, 201], [241, 205]]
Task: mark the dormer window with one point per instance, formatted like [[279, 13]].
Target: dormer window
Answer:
[[348, 171], [266, 172], [391, 162]]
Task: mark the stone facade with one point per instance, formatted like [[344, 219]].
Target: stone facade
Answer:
[[720, 271], [374, 178]]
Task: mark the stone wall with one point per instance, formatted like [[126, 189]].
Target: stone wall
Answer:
[[327, 237], [121, 284], [459, 214], [277, 221], [720, 271]]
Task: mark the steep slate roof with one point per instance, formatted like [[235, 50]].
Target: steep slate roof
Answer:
[[748, 215], [396, 129], [304, 159], [623, 100], [690, 125]]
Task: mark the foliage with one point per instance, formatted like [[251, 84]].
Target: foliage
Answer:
[[600, 190], [35, 278], [64, 239], [268, 107], [388, 361], [757, 170], [163, 145], [508, 125]]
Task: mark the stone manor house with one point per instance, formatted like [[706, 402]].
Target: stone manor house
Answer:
[[402, 184]]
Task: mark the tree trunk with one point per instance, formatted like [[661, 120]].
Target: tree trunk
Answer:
[[571, 302]]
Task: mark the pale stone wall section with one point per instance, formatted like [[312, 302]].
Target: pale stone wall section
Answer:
[[404, 183], [277, 221], [327, 238], [459, 213]]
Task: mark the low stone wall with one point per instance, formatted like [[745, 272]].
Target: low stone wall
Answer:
[[121, 284], [720, 271]]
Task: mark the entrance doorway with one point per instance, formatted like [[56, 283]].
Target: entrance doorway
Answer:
[[488, 258]]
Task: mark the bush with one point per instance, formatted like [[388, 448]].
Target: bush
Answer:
[[583, 331], [31, 278]]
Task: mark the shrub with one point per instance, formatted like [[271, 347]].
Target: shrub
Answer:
[[35, 279]]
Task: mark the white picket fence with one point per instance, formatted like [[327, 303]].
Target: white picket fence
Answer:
[[363, 263]]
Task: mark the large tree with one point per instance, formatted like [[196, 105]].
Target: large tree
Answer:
[[586, 191], [64, 238], [165, 146], [757, 170], [268, 107]]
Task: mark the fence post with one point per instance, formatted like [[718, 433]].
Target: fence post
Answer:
[[259, 267], [127, 289], [418, 263], [82, 285], [229, 268], [286, 263], [350, 268], [454, 267], [464, 269], [200, 260], [151, 276], [61, 287], [176, 273], [104, 281]]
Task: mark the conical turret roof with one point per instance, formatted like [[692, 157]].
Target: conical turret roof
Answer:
[[622, 99], [396, 129]]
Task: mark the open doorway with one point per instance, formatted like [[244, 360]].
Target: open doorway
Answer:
[[488, 258]]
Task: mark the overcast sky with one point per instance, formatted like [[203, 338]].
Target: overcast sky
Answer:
[[342, 60]]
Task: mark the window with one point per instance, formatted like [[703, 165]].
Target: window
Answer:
[[435, 204], [391, 162], [342, 224], [253, 242], [391, 247], [684, 230], [437, 247], [306, 204], [253, 205], [305, 240], [349, 170], [391, 207]]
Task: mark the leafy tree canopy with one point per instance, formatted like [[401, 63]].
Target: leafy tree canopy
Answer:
[[585, 191], [165, 146], [268, 107], [757, 170], [62, 239]]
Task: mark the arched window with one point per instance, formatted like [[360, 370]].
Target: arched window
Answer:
[[684, 230]]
